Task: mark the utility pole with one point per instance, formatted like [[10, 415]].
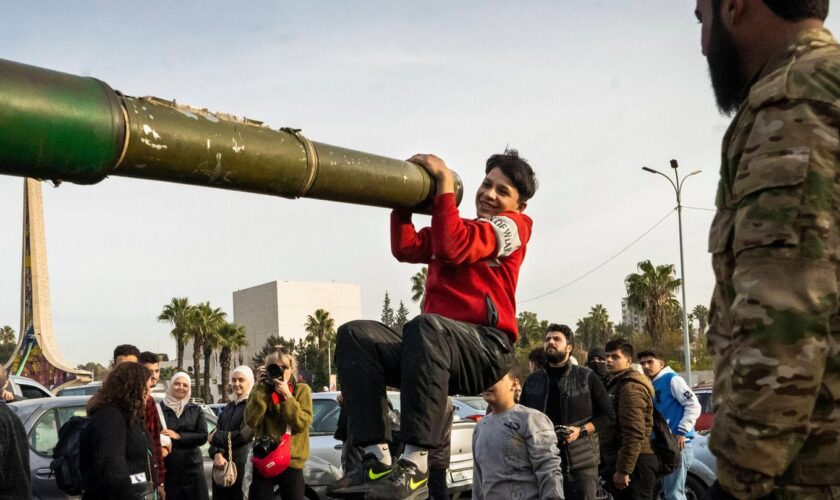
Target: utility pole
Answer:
[[678, 191]]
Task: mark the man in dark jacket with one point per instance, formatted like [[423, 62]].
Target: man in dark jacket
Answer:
[[14, 459], [577, 404], [596, 360], [151, 361], [631, 464]]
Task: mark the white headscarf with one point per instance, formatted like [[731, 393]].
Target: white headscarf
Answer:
[[178, 405], [249, 376]]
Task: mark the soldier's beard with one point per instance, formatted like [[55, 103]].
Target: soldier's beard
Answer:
[[556, 356], [728, 81]]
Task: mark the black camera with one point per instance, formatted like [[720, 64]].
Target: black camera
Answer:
[[264, 446], [272, 372]]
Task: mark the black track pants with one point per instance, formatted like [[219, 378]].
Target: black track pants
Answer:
[[432, 358]]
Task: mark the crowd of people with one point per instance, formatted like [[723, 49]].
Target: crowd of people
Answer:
[[772, 331]]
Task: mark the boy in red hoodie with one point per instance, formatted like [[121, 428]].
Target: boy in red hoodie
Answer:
[[462, 343]]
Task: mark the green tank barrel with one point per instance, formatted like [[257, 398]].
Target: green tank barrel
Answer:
[[64, 127]]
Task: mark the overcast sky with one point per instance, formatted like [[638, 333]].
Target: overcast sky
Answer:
[[588, 91]]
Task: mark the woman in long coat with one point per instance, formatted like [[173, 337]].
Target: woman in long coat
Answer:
[[187, 428], [231, 427]]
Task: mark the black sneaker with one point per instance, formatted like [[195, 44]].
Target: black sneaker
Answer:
[[405, 483], [359, 479]]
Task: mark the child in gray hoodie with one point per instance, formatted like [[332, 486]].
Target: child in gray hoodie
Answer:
[[514, 450]]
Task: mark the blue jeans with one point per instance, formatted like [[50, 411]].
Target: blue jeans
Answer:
[[673, 485]]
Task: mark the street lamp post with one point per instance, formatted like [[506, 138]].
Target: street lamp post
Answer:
[[678, 191]]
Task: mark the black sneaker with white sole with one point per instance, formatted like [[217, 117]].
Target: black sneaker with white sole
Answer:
[[359, 479], [406, 482]]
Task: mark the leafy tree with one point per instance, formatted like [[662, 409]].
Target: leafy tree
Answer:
[[167, 372], [320, 332], [624, 330], [651, 291], [531, 329], [176, 313], [270, 344], [595, 328], [387, 317], [211, 320], [402, 317], [7, 335], [231, 338], [418, 286], [701, 313]]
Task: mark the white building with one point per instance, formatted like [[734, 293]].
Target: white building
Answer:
[[279, 308], [631, 316]]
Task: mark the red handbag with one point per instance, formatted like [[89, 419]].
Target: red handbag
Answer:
[[273, 464]]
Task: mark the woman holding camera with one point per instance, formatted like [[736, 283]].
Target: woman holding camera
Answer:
[[231, 436], [187, 428], [279, 405]]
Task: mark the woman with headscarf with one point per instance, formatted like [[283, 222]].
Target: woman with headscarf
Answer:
[[279, 404], [232, 432], [186, 427], [115, 451]]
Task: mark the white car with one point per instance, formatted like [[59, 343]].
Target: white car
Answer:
[[322, 444]]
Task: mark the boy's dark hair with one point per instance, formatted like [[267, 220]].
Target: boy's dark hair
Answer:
[[651, 353], [537, 356], [126, 350], [148, 358], [517, 170], [620, 344], [790, 10], [564, 329]]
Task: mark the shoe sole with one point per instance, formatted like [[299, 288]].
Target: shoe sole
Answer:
[[419, 494]]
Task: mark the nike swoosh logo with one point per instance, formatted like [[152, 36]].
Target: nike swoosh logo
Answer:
[[376, 475], [413, 486]]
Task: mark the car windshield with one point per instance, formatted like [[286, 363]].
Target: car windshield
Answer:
[[324, 417], [477, 403]]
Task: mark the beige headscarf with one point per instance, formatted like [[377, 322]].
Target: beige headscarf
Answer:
[[249, 376], [178, 405]]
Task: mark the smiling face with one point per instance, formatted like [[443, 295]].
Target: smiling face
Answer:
[[240, 384], [180, 388], [497, 194]]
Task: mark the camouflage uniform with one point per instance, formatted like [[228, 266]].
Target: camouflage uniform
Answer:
[[775, 319]]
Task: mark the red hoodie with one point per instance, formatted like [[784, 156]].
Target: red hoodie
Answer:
[[473, 264]]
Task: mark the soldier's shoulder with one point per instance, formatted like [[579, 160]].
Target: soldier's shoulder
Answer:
[[812, 73]]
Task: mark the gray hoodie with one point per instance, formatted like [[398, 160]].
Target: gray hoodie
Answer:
[[515, 456]]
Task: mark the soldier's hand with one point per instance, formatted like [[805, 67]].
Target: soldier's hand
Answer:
[[621, 480], [681, 442]]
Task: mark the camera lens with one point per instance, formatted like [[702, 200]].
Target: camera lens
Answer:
[[274, 371]]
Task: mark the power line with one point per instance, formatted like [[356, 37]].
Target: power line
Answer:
[[701, 208], [599, 266]]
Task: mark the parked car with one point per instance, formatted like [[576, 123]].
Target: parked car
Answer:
[[42, 418], [322, 444], [26, 388], [470, 407], [81, 390], [707, 412]]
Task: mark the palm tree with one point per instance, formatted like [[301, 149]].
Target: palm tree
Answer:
[[652, 292], [231, 339], [207, 323], [176, 312], [602, 327], [418, 286], [7, 335], [320, 330], [702, 314]]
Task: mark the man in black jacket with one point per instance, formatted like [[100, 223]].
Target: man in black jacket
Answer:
[[575, 400]]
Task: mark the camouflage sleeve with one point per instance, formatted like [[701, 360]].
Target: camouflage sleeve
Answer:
[[784, 287]]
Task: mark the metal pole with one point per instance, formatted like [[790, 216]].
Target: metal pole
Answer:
[[686, 343], [678, 191]]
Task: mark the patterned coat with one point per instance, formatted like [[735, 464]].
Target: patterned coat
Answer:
[[775, 320]]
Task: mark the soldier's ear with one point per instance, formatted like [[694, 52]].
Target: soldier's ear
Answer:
[[731, 12]]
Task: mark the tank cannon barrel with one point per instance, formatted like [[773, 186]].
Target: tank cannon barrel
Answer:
[[64, 127]]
